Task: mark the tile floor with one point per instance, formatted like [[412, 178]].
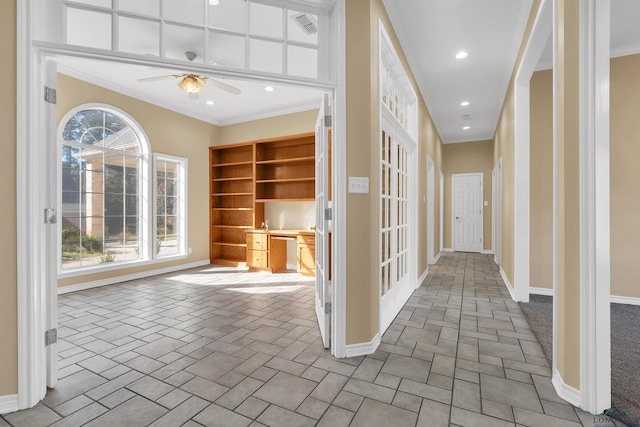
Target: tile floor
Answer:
[[218, 347]]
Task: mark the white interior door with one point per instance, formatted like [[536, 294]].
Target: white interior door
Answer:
[[323, 291], [51, 202], [467, 212]]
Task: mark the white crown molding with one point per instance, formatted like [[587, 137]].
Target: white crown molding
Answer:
[[127, 277], [363, 349]]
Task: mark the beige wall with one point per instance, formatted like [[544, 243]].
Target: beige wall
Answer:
[[168, 133], [468, 157], [362, 18], [8, 257], [625, 173], [625, 152], [541, 183]]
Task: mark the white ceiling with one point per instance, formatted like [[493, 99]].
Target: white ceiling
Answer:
[[433, 31], [252, 104]]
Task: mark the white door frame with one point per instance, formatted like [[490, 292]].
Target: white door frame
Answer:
[[430, 210], [497, 256], [441, 212], [494, 185], [33, 257], [480, 206]]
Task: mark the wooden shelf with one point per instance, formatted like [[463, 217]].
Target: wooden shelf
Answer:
[[224, 165], [237, 178], [285, 200], [288, 160], [246, 176]]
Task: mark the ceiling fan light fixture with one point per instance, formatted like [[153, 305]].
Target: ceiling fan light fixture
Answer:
[[461, 55], [190, 84]]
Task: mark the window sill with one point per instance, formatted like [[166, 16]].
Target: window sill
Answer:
[[117, 266]]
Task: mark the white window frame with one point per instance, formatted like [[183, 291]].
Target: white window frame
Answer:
[[144, 231], [400, 119], [183, 204]]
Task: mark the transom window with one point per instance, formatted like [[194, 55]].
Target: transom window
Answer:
[[257, 35]]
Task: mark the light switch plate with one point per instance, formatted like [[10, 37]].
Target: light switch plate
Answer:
[[358, 185]]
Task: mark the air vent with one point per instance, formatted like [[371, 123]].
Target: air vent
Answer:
[[306, 22]]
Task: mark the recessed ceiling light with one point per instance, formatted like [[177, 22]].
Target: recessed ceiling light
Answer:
[[211, 102], [214, 2], [269, 89], [464, 103], [466, 127], [461, 55]]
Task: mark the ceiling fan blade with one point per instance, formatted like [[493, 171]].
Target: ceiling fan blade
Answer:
[[228, 88], [154, 79]]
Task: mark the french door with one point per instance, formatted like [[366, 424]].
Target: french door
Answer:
[[323, 291], [397, 228]]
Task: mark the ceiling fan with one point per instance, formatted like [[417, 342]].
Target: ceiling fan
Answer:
[[194, 83]]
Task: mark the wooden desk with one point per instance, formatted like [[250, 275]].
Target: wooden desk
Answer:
[[267, 250]]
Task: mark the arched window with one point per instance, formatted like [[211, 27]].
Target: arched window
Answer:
[[104, 211]]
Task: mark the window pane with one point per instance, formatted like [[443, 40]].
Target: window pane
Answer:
[[265, 20], [88, 28], [266, 56], [186, 11], [302, 61], [145, 7], [226, 50], [298, 21], [99, 3], [138, 36], [229, 15], [179, 40]]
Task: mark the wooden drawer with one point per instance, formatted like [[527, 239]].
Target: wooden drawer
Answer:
[[258, 259], [306, 240], [257, 241]]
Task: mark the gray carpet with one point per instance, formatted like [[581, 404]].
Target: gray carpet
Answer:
[[625, 348]]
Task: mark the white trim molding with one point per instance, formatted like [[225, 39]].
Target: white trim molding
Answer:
[[364, 348], [508, 284], [565, 391], [8, 403], [127, 277], [447, 250], [422, 278], [541, 291], [595, 228], [625, 300], [435, 260], [487, 251]]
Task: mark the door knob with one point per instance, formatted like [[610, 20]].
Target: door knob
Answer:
[[457, 217]]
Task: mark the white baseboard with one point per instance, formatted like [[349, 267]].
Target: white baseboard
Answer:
[[435, 260], [625, 300], [541, 291], [363, 349], [127, 277], [8, 403], [422, 277], [447, 250], [510, 288], [486, 252], [565, 391], [292, 267]]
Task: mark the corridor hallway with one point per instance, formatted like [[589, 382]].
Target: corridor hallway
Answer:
[[214, 346]]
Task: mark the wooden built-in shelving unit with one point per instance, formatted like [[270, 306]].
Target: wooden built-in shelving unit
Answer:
[[245, 176]]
